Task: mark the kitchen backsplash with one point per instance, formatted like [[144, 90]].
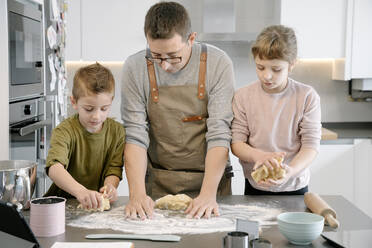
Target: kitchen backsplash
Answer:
[[335, 103]]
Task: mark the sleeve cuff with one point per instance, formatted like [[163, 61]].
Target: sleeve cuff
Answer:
[[115, 171], [220, 143]]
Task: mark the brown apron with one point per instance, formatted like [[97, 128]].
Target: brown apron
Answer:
[[177, 150]]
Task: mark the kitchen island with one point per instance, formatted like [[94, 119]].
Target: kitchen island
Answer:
[[350, 217]]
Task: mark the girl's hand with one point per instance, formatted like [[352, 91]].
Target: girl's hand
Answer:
[[269, 159], [271, 183], [109, 191], [89, 199]]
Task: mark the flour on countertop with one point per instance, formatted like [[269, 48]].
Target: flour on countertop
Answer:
[[174, 222]]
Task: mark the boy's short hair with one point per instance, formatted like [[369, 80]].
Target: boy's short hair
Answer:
[[93, 79], [276, 42], [164, 19]]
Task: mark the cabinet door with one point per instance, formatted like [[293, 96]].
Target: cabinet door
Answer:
[[105, 30], [238, 181], [362, 175], [361, 52], [123, 189], [320, 32], [332, 172]]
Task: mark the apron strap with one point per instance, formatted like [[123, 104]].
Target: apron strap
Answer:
[[152, 78], [202, 71]]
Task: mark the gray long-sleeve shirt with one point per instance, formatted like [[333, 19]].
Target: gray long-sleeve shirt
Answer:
[[219, 89]]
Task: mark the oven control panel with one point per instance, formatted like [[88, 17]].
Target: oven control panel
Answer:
[[24, 110]]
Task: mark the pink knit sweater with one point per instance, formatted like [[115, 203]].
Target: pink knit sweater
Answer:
[[284, 121]]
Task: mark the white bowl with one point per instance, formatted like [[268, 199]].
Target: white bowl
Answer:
[[300, 228]]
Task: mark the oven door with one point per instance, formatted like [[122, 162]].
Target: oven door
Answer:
[[26, 139], [27, 132], [27, 143], [25, 51]]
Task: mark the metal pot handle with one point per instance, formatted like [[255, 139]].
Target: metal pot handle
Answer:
[[23, 189]]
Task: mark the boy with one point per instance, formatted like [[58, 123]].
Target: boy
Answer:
[[86, 150]]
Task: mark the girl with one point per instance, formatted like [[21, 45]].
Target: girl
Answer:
[[276, 118]]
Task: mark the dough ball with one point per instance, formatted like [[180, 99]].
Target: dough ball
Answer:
[[263, 173], [173, 202], [260, 174]]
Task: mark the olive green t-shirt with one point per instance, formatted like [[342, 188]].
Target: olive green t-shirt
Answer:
[[88, 157]]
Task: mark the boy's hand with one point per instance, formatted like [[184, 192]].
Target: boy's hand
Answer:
[[109, 191], [89, 199], [269, 159]]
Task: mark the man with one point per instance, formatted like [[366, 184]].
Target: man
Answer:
[[176, 108]]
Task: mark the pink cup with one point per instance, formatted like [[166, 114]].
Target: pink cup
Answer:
[[47, 216]]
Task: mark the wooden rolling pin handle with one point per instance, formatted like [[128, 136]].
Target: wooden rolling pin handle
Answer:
[[331, 220]]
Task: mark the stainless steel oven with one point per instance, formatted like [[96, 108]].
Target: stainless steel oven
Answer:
[[27, 130], [25, 50]]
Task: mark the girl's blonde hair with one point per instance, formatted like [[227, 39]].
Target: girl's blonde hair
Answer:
[[276, 42]]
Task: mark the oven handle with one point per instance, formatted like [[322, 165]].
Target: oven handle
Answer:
[[33, 127]]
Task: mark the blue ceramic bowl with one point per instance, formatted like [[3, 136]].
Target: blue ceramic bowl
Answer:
[[300, 228]]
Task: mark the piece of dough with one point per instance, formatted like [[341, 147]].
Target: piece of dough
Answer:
[[105, 205], [264, 173], [173, 202]]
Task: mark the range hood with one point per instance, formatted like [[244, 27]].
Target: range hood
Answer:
[[233, 20], [233, 37]]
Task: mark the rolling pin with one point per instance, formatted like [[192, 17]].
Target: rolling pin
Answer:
[[318, 206]]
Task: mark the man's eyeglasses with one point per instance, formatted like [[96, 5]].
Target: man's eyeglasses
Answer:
[[171, 60]]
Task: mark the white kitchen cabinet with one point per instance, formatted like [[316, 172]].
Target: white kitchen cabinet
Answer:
[[238, 181], [332, 172], [345, 169], [114, 35], [361, 52], [319, 26], [357, 61], [362, 175], [123, 189], [105, 30]]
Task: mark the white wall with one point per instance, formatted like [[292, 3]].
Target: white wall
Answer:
[[4, 83], [335, 102]]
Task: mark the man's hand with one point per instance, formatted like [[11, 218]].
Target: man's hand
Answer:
[[202, 206], [141, 206], [89, 199]]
